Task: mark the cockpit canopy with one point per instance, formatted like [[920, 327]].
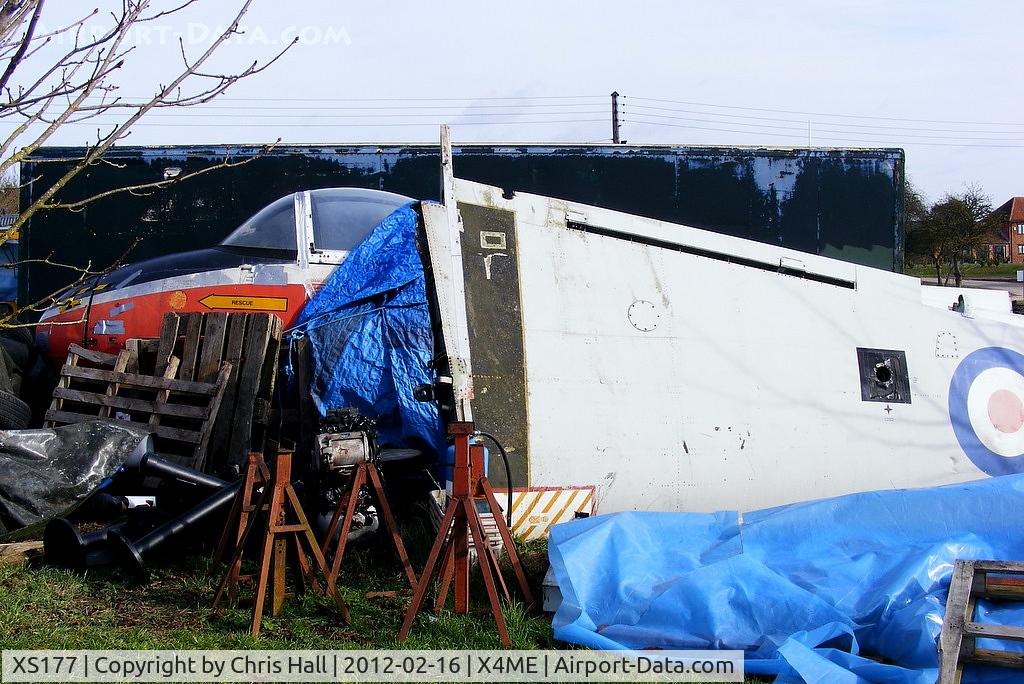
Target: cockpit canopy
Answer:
[[342, 217]]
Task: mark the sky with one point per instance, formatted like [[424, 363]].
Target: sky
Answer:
[[942, 80]]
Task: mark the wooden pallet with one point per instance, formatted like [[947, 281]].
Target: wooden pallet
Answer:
[[973, 580], [179, 413], [251, 343]]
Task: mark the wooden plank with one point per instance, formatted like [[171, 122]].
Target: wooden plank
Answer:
[[193, 324], [92, 356], [1000, 658], [1005, 567], [271, 360], [135, 380], [1003, 588], [20, 553], [146, 345], [263, 413], [203, 447], [989, 631], [146, 350], [168, 341], [174, 434], [64, 381], [132, 345], [134, 404], [309, 417], [212, 352], [164, 395], [220, 438], [257, 338], [951, 637], [120, 366]]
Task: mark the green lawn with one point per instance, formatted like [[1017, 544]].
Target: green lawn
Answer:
[[1001, 271], [48, 608]]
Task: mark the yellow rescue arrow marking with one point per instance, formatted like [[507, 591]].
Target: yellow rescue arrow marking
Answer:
[[244, 302]]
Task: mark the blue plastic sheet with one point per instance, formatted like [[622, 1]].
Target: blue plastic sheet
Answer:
[[808, 590], [370, 336]]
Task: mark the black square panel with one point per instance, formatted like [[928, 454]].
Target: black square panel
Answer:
[[883, 375]]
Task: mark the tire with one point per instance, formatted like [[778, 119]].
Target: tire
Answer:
[[20, 353], [14, 413], [20, 344], [8, 371]]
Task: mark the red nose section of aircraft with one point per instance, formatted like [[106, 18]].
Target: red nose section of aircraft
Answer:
[[273, 262]]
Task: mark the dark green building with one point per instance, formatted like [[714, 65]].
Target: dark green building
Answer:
[[842, 203]]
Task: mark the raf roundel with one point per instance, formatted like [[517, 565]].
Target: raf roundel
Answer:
[[986, 409]]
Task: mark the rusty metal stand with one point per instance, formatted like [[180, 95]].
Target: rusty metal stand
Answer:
[[281, 503], [453, 539], [257, 476], [365, 474]]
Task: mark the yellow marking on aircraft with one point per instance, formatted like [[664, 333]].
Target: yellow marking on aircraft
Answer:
[[244, 302]]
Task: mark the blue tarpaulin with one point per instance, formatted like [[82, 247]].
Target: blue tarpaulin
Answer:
[[370, 336], [814, 591]]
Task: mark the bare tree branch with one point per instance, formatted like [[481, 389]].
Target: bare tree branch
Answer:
[[139, 188], [169, 12], [71, 292], [56, 76], [23, 48]]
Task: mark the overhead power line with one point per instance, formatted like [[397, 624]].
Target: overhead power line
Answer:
[[433, 115], [283, 112], [226, 98], [384, 108], [828, 130], [829, 137], [803, 122], [411, 124], [847, 116]]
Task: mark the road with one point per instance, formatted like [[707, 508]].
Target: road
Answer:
[[1011, 286]]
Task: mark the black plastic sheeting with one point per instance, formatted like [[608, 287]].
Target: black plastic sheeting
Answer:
[[46, 472]]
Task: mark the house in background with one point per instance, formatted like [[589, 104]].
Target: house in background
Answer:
[[1010, 229], [995, 246]]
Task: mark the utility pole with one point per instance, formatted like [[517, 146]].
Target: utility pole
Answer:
[[615, 117]]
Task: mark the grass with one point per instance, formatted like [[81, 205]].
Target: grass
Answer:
[[998, 271], [46, 608], [49, 608]]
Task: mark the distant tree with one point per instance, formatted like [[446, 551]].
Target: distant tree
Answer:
[[949, 231], [9, 193], [981, 208], [914, 207], [923, 244], [955, 233], [977, 201]]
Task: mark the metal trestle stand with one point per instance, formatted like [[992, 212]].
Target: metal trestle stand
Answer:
[[461, 519], [284, 521], [365, 474]]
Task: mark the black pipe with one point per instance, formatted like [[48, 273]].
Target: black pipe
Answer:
[[508, 474], [147, 463], [131, 554], [65, 547]]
